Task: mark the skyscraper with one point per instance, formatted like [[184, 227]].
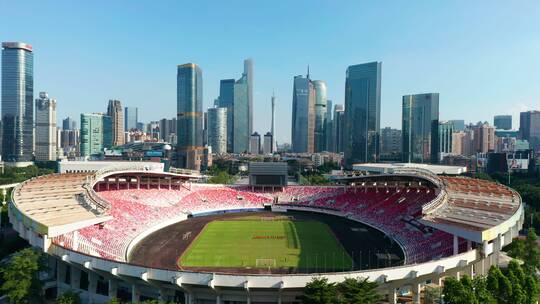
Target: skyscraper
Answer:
[[484, 138], [69, 123], [303, 115], [337, 128], [420, 128], [241, 118], [329, 125], [45, 128], [321, 115], [17, 102], [362, 113], [268, 142], [217, 130], [189, 116], [226, 100], [96, 133], [116, 112], [529, 128], [131, 117], [255, 143], [390, 143], [446, 131], [248, 72], [502, 122]]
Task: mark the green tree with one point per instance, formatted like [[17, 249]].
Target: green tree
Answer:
[[531, 256], [20, 275], [114, 301], [432, 295], [221, 178], [360, 290], [319, 291], [531, 289], [481, 291], [69, 297], [454, 292]]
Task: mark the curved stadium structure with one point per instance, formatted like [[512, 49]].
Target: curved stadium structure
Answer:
[[98, 228]]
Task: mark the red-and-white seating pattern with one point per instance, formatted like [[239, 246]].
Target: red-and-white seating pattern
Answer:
[[393, 210]]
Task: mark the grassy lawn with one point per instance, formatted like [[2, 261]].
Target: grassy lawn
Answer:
[[257, 243]]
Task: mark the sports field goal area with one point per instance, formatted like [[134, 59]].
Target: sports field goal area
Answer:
[[259, 242]]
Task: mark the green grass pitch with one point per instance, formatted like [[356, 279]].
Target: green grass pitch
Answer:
[[258, 243]]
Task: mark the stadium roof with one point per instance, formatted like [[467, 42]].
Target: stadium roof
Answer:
[[390, 167], [50, 203]]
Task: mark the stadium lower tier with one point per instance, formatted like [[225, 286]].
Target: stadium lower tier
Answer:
[[392, 210]]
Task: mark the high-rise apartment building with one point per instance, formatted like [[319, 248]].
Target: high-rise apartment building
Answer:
[[390, 143], [502, 122], [17, 102], [96, 133], [116, 112], [362, 113], [226, 100], [420, 128], [189, 116], [303, 115], [45, 128], [484, 138], [131, 117], [255, 143], [321, 115], [217, 130], [529, 128]]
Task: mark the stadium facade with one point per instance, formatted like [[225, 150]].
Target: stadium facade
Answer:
[[89, 224]]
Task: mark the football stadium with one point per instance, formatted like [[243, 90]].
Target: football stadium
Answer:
[[135, 232]]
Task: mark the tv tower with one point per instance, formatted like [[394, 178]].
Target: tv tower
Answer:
[[272, 123]]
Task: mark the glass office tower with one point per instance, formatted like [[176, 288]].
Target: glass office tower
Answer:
[[217, 129], [131, 117], [321, 115], [362, 113], [529, 128], [502, 122], [96, 133], [420, 128], [248, 72], [241, 115], [189, 116], [303, 116], [17, 102]]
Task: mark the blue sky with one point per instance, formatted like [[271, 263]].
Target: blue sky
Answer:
[[483, 57]]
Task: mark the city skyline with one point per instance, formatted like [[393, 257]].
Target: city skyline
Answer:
[[488, 71]]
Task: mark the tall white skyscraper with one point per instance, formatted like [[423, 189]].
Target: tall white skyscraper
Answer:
[[46, 135]]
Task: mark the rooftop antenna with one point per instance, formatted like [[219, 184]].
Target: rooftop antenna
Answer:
[[307, 71]]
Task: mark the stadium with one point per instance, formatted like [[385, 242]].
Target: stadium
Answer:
[[134, 232]]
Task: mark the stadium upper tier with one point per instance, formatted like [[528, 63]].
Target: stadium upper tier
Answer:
[[474, 205], [430, 218], [55, 201]]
